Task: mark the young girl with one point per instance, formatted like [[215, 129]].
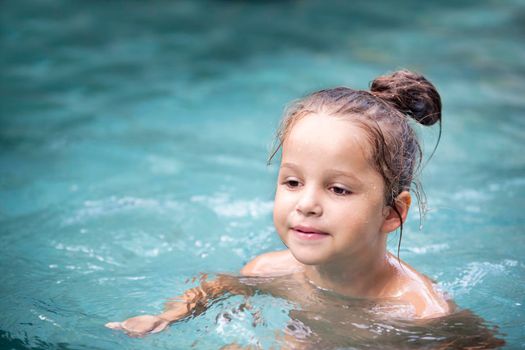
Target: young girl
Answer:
[[347, 165]]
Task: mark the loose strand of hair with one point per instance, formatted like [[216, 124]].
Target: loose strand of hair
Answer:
[[400, 235], [435, 146], [276, 149], [421, 201]]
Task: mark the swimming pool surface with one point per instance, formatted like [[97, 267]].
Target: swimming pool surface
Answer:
[[134, 138]]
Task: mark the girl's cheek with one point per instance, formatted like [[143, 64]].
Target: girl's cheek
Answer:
[[284, 201], [278, 212], [281, 209], [279, 220], [279, 197]]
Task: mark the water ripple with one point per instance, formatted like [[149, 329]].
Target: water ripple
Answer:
[[222, 206]]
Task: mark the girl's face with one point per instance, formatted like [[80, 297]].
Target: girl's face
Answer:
[[329, 202]]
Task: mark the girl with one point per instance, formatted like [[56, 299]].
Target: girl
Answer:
[[347, 165]]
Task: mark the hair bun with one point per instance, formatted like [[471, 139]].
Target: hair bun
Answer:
[[411, 94]]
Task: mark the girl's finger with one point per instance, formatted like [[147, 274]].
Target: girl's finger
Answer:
[[114, 325]]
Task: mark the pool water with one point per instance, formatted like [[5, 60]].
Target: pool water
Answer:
[[134, 139]]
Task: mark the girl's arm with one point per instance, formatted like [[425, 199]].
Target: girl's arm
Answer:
[[192, 302]]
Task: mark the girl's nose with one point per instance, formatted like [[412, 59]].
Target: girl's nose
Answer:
[[308, 204]]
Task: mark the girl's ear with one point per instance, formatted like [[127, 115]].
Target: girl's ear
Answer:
[[402, 204]]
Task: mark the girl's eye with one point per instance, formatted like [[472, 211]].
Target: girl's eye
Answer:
[[340, 190], [292, 183]]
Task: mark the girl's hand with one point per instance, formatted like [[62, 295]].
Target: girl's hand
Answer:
[[140, 326]]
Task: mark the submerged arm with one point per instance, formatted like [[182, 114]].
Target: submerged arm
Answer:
[[193, 302]]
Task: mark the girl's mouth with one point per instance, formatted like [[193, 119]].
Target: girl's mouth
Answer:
[[308, 233]]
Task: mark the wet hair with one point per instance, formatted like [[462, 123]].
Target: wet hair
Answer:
[[384, 114]]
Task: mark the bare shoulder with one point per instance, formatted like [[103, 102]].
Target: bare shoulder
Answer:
[[272, 264], [422, 293]]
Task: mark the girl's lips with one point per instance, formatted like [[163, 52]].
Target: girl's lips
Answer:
[[309, 233]]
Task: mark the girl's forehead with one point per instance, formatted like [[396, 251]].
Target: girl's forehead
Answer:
[[320, 122], [323, 145], [329, 141], [328, 133]]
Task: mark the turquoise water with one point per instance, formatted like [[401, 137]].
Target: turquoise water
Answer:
[[134, 138]]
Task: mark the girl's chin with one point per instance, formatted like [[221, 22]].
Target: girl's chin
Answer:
[[307, 257]]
